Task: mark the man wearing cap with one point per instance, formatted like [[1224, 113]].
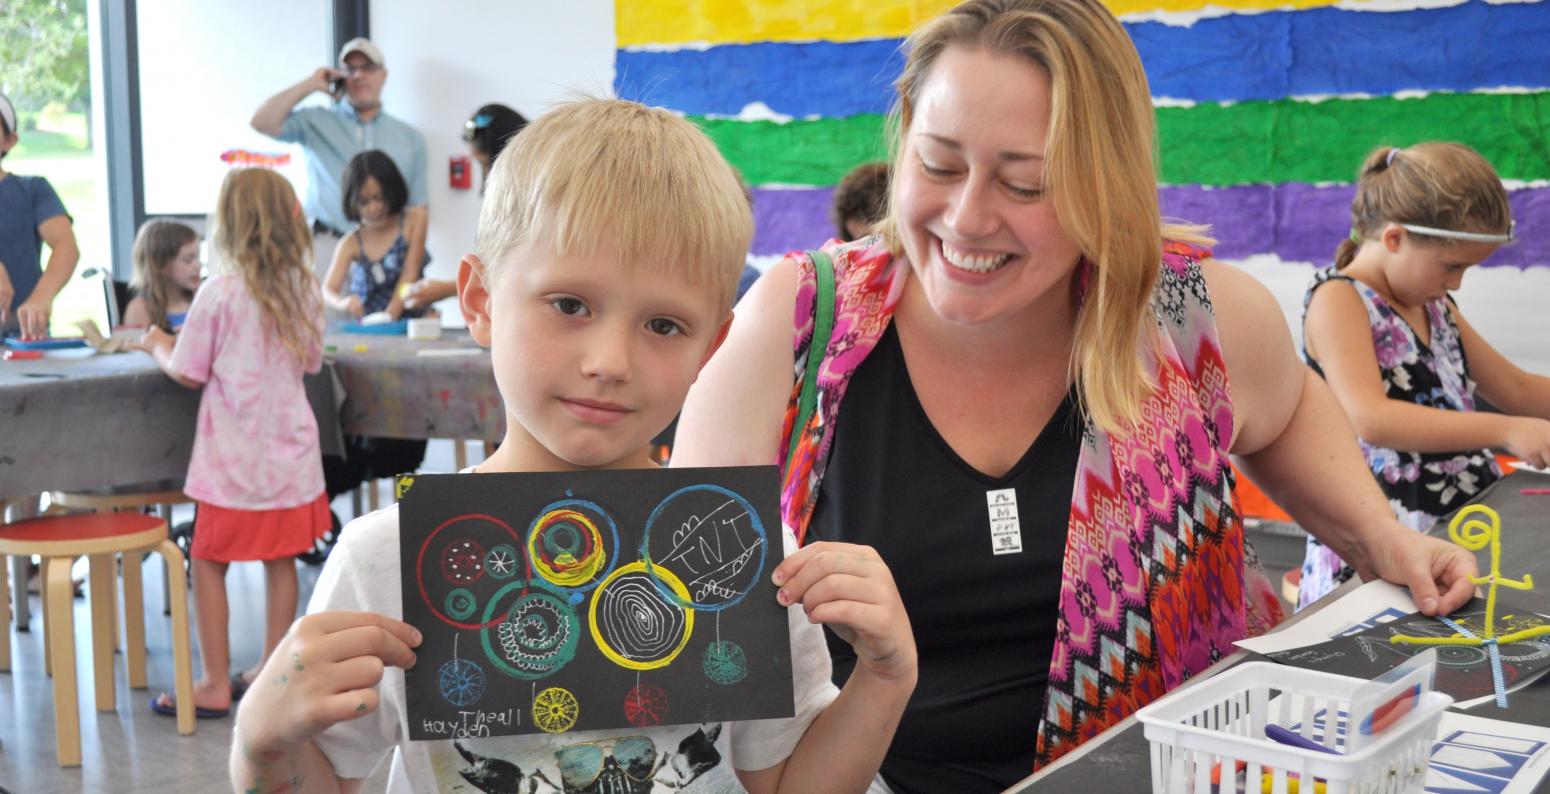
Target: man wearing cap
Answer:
[[30, 215], [332, 135]]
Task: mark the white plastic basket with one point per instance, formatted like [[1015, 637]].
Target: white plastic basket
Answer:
[[1221, 721]]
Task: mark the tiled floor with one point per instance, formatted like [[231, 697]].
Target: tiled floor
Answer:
[[132, 749]]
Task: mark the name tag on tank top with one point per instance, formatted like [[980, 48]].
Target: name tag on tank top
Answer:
[[1006, 534]]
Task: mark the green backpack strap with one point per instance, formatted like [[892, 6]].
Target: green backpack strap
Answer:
[[823, 326]]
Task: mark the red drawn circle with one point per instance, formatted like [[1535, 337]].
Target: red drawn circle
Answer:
[[425, 550], [462, 561], [645, 706]]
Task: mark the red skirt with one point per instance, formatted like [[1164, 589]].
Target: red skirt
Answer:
[[224, 534]]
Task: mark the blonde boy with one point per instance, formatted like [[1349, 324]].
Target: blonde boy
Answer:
[[609, 247]]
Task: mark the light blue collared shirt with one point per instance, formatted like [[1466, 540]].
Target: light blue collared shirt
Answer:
[[332, 135]]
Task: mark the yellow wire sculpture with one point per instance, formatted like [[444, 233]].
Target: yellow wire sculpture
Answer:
[[1475, 534]]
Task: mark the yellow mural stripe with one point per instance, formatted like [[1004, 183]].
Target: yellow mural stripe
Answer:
[[646, 22]]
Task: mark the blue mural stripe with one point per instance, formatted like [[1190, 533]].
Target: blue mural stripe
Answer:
[[1232, 58]]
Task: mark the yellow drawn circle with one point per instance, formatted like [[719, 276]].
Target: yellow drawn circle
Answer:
[[555, 710], [664, 576], [567, 570]]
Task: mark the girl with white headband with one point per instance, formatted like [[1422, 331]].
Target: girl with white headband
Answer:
[[1421, 217]]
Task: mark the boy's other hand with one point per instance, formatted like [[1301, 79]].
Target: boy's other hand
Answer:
[[325, 671], [850, 589]]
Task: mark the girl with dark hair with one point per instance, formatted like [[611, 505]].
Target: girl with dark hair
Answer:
[[386, 251], [488, 131]]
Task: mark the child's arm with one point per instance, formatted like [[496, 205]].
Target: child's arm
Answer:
[[1340, 337], [414, 261], [1508, 387], [6, 293], [343, 253], [159, 344], [137, 313], [324, 672], [850, 589], [33, 314]]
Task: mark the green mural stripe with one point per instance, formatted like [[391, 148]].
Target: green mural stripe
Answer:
[[1208, 144]]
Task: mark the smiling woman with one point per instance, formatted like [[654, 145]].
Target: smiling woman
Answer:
[[1044, 366]]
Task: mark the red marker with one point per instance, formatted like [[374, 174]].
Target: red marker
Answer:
[[1535, 491]]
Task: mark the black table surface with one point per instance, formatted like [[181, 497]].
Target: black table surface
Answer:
[[1122, 759]]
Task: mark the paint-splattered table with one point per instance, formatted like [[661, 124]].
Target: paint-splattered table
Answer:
[[404, 388], [77, 421]]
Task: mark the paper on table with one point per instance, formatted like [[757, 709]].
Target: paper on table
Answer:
[[1366, 606], [1525, 466]]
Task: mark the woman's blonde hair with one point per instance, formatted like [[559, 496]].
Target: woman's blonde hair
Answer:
[[1439, 185], [260, 231], [1099, 170], [605, 172], [156, 245]]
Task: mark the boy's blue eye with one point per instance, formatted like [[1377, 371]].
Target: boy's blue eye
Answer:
[[572, 307], [662, 326]]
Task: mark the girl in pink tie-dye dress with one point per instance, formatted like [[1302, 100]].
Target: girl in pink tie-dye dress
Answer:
[[256, 470]]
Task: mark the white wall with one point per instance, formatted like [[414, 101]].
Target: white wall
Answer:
[[445, 59]]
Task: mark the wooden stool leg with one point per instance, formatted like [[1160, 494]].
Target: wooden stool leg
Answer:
[[48, 647], [61, 637], [459, 454], [355, 501], [166, 573], [134, 619], [182, 650], [102, 605], [371, 495], [19, 587], [5, 617]]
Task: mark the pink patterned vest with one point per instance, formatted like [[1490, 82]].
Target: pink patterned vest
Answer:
[[1154, 586]]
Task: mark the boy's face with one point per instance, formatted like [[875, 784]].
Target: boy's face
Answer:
[[591, 360]]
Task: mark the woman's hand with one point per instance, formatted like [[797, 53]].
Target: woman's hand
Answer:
[[1436, 571], [850, 589]]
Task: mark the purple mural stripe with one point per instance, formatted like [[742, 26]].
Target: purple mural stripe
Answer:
[[788, 220], [1304, 223], [1295, 221]]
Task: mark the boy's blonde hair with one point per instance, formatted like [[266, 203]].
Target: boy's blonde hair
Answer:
[[1100, 171], [156, 245], [1438, 184], [605, 172], [260, 231]]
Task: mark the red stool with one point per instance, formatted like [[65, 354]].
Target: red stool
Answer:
[[102, 537]]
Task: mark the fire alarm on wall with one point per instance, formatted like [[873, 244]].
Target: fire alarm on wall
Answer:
[[459, 174]]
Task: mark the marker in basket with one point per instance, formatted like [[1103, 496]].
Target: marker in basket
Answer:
[[1290, 738]]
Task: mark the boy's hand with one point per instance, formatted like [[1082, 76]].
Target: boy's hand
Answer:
[[325, 671], [850, 588]]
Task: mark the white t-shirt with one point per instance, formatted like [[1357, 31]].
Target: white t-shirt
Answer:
[[363, 574]]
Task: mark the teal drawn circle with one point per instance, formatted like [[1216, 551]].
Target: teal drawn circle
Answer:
[[494, 556], [725, 662], [553, 649], [460, 603]]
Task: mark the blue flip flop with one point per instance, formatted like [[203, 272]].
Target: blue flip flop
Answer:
[[170, 708]]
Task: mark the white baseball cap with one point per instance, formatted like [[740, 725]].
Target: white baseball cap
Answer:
[[7, 113], [363, 46]]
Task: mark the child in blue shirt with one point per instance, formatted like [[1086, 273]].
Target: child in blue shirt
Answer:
[[31, 214]]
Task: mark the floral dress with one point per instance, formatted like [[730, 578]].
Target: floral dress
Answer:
[[1422, 487]]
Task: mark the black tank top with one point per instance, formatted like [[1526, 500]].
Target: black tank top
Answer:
[[984, 623]]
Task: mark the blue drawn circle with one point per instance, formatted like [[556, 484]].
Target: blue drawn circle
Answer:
[[539, 634], [461, 603], [461, 682], [725, 662], [501, 562], [613, 536], [651, 568]]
